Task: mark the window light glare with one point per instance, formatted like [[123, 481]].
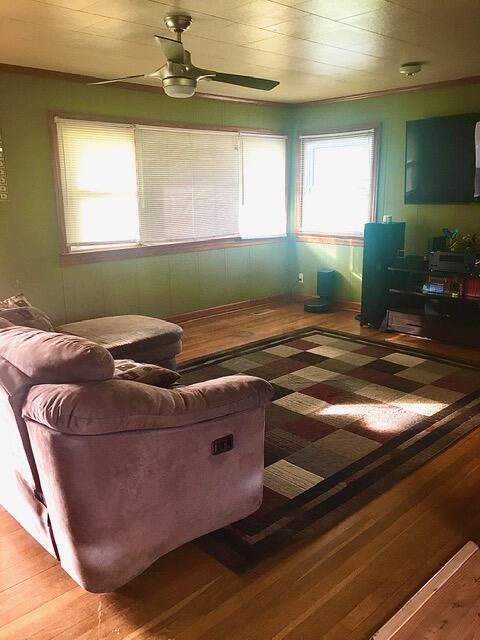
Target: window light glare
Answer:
[[337, 182], [152, 185]]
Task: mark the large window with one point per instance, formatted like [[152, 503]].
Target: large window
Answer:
[[338, 183], [131, 185]]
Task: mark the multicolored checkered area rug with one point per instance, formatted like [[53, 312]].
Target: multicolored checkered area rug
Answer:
[[350, 418]]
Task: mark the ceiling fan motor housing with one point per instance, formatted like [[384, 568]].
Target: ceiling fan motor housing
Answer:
[[178, 22]]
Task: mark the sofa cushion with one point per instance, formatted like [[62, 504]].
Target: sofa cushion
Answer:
[[121, 334], [121, 405], [162, 356], [145, 373], [27, 317], [30, 356]]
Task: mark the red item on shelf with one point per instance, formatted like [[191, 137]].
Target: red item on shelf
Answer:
[[449, 285], [471, 287]]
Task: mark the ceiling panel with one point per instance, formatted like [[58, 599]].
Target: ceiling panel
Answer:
[[316, 48], [45, 14], [396, 22], [457, 12], [338, 9], [242, 34], [306, 27], [70, 4], [261, 13], [124, 30]]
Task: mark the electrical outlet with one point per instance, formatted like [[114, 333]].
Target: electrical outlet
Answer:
[[300, 278]]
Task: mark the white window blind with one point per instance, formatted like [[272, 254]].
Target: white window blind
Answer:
[[189, 184], [337, 182], [263, 208], [99, 183], [146, 185]]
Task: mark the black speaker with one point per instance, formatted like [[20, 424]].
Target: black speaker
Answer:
[[325, 290], [381, 243]]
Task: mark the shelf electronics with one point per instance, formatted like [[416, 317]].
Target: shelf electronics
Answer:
[[449, 262]]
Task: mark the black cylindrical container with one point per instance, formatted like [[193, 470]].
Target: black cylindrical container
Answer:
[[326, 283], [325, 290]]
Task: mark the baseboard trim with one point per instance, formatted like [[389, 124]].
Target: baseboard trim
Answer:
[[341, 305], [349, 305], [228, 308], [300, 297]]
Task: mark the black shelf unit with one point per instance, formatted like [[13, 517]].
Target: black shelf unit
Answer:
[[440, 296], [439, 316], [405, 270]]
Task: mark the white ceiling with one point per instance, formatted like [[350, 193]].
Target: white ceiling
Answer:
[[316, 48]]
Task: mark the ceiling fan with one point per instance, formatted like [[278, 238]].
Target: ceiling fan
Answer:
[[179, 76]]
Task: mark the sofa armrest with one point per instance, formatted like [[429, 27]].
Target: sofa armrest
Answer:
[[121, 405]]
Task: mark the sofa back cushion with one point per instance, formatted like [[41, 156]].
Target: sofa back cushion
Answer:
[[145, 373], [30, 356], [18, 310], [27, 317]]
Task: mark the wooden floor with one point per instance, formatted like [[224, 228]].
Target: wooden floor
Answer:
[[343, 585]]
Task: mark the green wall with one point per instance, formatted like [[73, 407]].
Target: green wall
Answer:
[[423, 221], [176, 283], [158, 286]]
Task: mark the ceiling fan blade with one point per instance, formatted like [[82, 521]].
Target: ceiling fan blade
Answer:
[[245, 81], [142, 75], [200, 74], [173, 50]]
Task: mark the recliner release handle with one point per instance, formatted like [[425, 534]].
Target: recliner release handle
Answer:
[[221, 445]]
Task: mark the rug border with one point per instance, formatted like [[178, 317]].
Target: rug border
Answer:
[[219, 356]]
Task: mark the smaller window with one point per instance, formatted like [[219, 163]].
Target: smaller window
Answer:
[[338, 182]]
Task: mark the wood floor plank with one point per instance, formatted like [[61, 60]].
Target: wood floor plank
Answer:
[[342, 585]]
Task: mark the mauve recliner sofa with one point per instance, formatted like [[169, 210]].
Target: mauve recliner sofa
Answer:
[[109, 475]]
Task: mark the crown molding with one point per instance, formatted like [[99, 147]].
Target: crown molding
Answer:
[[73, 77], [441, 84], [63, 75]]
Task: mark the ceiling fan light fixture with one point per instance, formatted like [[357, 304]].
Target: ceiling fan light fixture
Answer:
[[179, 87]]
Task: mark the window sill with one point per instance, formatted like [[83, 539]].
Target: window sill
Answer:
[[105, 255], [353, 241]]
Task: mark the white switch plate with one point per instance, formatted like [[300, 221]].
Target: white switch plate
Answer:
[[300, 278]]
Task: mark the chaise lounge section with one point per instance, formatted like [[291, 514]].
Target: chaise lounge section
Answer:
[[136, 337], [139, 338]]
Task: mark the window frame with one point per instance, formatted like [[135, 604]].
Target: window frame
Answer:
[[335, 238], [104, 253]]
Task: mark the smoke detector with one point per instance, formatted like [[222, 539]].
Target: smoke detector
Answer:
[[410, 69]]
